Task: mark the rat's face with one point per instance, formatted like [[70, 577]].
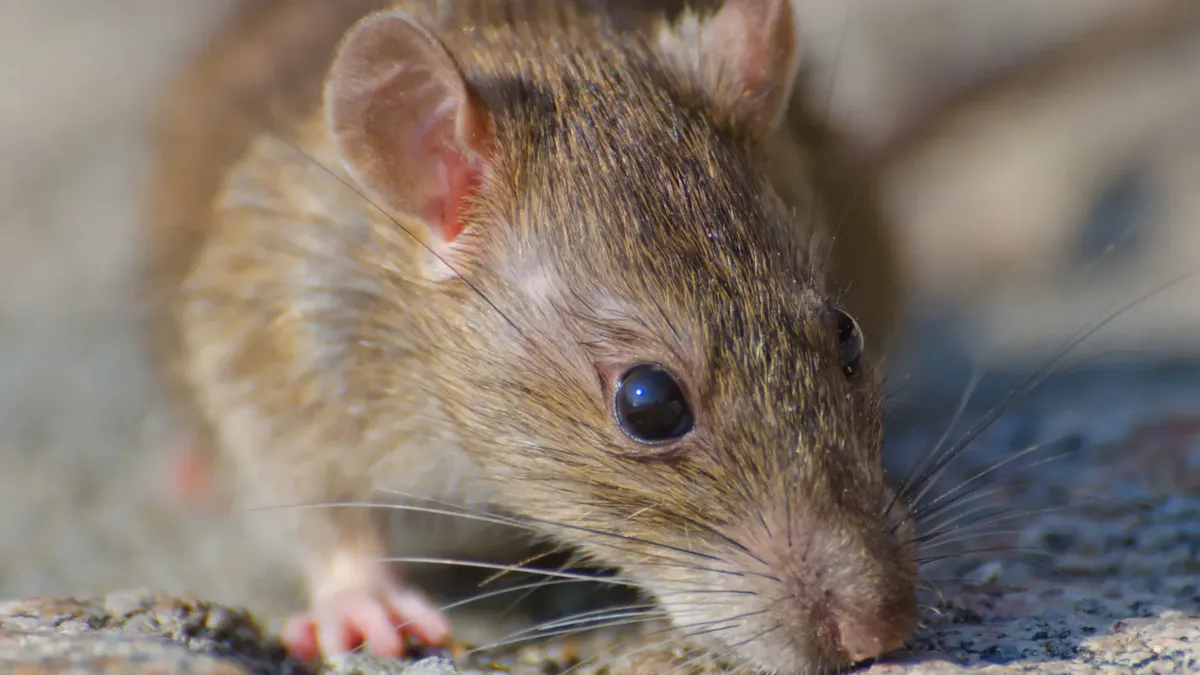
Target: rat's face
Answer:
[[685, 397], [640, 351]]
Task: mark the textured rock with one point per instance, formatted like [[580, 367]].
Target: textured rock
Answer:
[[134, 634]]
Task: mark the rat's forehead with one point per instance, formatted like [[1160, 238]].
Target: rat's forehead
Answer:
[[633, 184], [648, 254], [623, 141], [659, 297], [705, 206]]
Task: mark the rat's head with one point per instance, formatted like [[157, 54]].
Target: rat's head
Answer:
[[634, 336]]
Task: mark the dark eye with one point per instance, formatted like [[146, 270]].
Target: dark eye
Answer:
[[850, 341], [651, 406]]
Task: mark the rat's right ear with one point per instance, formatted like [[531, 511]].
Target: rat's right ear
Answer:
[[746, 56], [408, 126]]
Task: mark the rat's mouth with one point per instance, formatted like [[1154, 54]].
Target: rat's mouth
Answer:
[[820, 598]]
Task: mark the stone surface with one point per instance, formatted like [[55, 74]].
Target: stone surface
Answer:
[[134, 634]]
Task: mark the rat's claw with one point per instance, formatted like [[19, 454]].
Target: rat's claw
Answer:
[[341, 622]]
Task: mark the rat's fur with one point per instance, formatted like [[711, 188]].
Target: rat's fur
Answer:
[[636, 207]]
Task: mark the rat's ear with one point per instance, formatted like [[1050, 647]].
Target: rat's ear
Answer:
[[408, 126], [746, 56]]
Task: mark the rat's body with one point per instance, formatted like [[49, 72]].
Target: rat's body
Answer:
[[603, 216]]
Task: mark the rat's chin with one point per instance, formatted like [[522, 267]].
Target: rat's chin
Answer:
[[781, 657], [765, 648], [739, 627], [828, 597], [751, 635]]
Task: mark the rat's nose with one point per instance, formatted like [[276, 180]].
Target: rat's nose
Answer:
[[865, 637]]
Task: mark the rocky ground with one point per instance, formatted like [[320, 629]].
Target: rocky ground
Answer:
[[1106, 579]]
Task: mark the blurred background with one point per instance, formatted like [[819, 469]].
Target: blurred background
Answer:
[[1020, 220]]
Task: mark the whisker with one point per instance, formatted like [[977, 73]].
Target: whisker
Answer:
[[1112, 500], [615, 623], [535, 557], [980, 493], [706, 591], [1057, 574], [816, 202], [479, 597], [560, 628], [963, 402], [657, 609], [600, 614], [736, 617], [982, 513], [977, 516], [704, 527], [999, 549], [924, 510], [757, 636], [968, 537], [688, 664], [932, 479], [418, 560], [528, 521], [537, 586], [495, 520], [931, 585], [662, 639], [1046, 370], [692, 634], [685, 636], [944, 525], [948, 580], [966, 497], [501, 520], [660, 606], [890, 395]]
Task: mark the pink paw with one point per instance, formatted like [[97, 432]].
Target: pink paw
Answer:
[[380, 621]]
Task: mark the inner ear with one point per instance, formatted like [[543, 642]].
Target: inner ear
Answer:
[[409, 128], [746, 56]]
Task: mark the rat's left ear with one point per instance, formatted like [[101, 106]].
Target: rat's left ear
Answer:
[[746, 57], [410, 129]]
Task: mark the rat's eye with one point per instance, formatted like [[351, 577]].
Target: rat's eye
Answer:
[[651, 406], [850, 341]]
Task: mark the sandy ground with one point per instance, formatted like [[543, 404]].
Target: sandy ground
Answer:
[[78, 434]]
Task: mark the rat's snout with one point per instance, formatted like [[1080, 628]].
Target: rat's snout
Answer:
[[815, 594], [860, 634], [850, 590], [846, 607]]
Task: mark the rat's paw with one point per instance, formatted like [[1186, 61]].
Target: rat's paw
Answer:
[[378, 619]]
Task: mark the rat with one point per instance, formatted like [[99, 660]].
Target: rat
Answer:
[[549, 259]]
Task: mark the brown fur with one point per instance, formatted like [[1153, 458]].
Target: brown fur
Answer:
[[632, 212]]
